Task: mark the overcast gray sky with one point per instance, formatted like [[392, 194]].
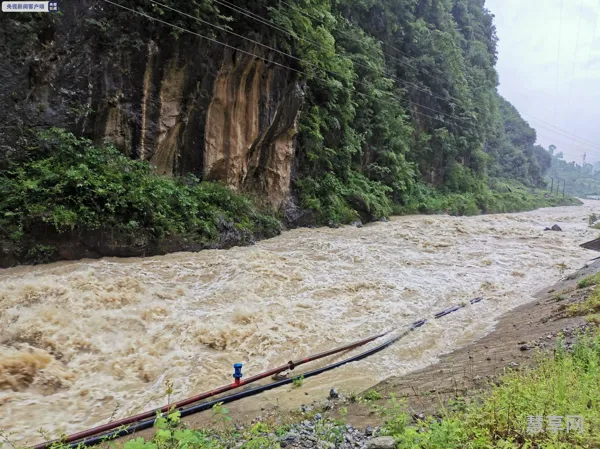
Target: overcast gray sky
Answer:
[[557, 84]]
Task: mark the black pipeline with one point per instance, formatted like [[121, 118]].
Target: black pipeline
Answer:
[[148, 423]]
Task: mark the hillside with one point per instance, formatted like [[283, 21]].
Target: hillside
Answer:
[[320, 112]]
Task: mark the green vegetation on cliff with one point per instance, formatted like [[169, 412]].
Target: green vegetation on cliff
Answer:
[[401, 106], [65, 185]]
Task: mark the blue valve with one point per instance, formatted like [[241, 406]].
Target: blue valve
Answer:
[[237, 368]]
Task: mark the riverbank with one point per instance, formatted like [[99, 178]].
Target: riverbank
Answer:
[[522, 363], [66, 199], [107, 334]]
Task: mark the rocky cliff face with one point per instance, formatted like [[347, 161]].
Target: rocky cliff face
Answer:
[[184, 104]]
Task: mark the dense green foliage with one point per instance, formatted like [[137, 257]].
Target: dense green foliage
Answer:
[[401, 99], [67, 184]]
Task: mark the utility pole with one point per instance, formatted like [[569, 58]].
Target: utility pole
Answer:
[[564, 182], [551, 185]]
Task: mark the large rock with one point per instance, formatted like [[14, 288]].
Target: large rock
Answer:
[[381, 443]]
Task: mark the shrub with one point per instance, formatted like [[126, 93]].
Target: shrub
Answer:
[[69, 184]]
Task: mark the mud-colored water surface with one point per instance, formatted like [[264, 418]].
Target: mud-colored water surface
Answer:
[[85, 341]]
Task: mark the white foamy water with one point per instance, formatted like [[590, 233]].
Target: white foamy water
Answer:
[[83, 341]]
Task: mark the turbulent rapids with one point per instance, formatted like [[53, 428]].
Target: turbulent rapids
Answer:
[[83, 341]]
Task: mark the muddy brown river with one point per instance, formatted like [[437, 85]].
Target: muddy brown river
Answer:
[[82, 342]]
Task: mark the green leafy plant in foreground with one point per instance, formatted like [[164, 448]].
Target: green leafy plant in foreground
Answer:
[[298, 381], [566, 385], [372, 395]]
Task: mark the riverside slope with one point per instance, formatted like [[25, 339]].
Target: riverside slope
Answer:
[[81, 339]]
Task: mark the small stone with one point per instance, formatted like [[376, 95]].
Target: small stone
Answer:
[[318, 417], [369, 431], [513, 364], [381, 443], [357, 224], [556, 228], [524, 348], [333, 394]]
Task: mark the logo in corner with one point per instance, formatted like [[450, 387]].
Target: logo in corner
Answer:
[[53, 6]]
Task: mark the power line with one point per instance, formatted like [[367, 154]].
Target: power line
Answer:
[[587, 66], [295, 70], [558, 56], [268, 60], [568, 145], [568, 137], [570, 99], [270, 23], [571, 135], [294, 57], [288, 54]]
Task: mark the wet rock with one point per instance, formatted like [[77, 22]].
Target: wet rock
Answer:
[[547, 229], [325, 445], [556, 228], [381, 443], [289, 439], [357, 224], [333, 394], [369, 431], [525, 348]]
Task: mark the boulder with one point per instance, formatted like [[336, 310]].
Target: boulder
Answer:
[[381, 443]]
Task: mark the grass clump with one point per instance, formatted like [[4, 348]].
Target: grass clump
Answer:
[[298, 381], [590, 305], [372, 395], [589, 281], [566, 385]]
